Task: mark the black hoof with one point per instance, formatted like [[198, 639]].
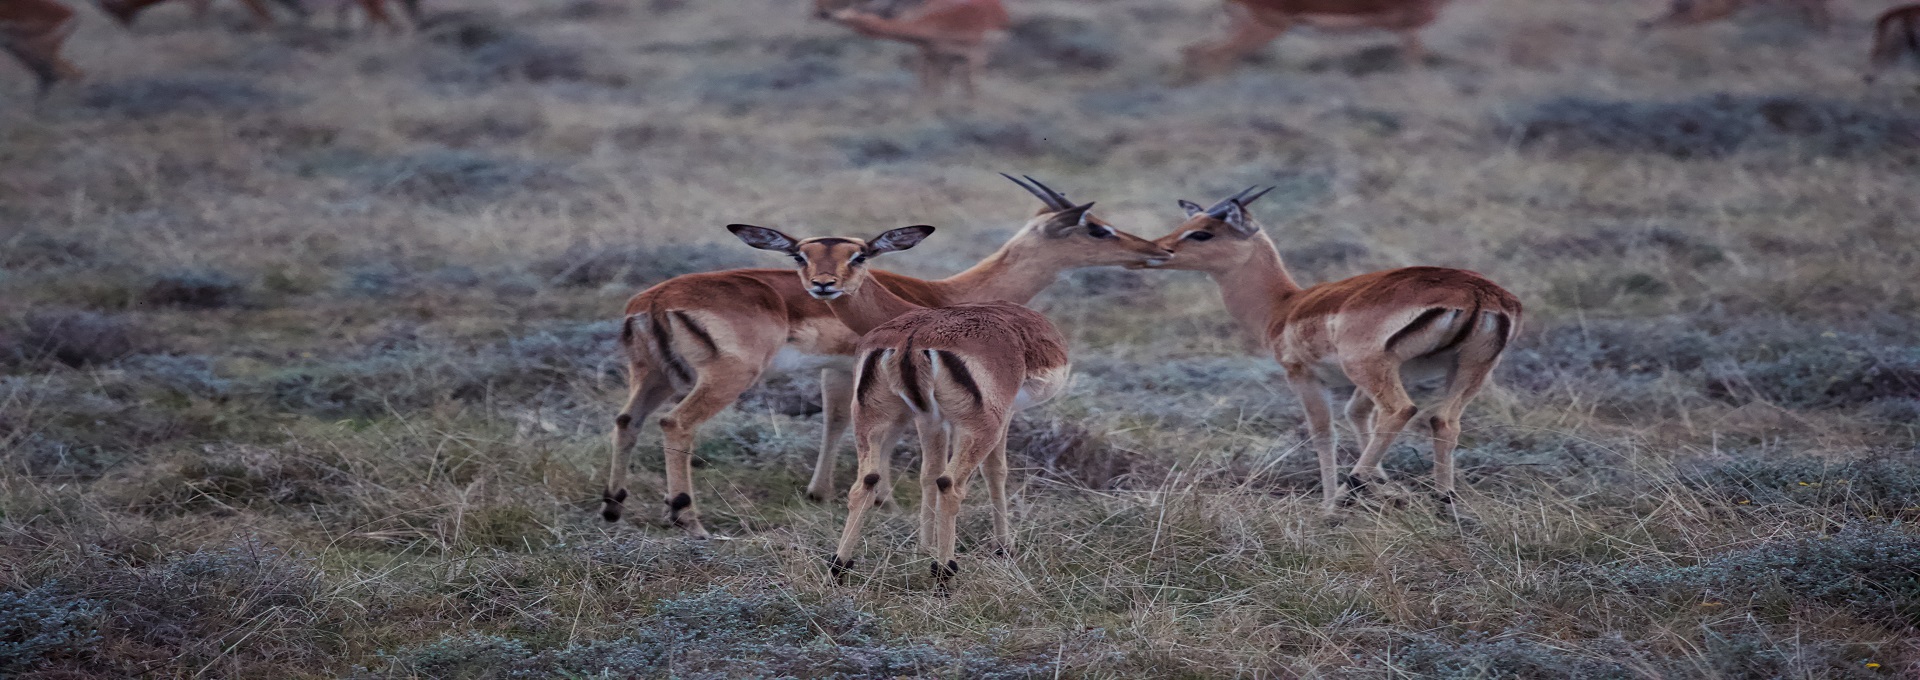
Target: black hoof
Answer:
[[1357, 489], [611, 507], [839, 569], [943, 575], [816, 498]]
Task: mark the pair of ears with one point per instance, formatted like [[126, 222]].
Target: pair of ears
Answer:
[[766, 238], [1231, 210]]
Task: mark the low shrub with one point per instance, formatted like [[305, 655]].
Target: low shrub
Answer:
[[592, 266], [1871, 570], [1887, 484], [193, 290], [1712, 126], [183, 93], [45, 625], [1506, 657], [72, 337], [449, 176], [1043, 45], [719, 633]]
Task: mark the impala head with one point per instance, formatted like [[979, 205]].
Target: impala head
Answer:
[[831, 266], [1213, 238], [1074, 237], [1689, 12]]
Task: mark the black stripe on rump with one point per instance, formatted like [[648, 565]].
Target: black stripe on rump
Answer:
[[696, 330], [1506, 331], [910, 382], [665, 344], [961, 375], [1473, 321], [867, 368], [1420, 323]]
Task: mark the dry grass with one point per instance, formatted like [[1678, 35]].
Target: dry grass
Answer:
[[305, 349]]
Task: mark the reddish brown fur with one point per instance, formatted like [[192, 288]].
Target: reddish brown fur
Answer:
[[1896, 34], [1258, 22], [1367, 330], [957, 372], [33, 31], [953, 36], [757, 312]]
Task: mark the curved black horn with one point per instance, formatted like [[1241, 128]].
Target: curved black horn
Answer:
[[1043, 196], [1244, 202], [1246, 197], [1055, 199]]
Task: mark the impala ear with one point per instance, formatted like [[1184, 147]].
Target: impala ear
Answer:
[[1192, 208], [1235, 215], [898, 239], [764, 238], [1066, 221]]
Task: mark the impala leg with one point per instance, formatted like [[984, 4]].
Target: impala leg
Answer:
[[1319, 410], [717, 387], [1248, 36], [1468, 375], [836, 400], [1379, 377], [874, 433], [935, 454], [1360, 417], [647, 389], [974, 443], [995, 468], [377, 16], [1413, 50], [973, 61]]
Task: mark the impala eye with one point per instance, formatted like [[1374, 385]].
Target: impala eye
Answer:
[[1099, 231], [800, 259], [1199, 235], [857, 259]]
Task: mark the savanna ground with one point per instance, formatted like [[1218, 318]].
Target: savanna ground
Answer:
[[306, 349]]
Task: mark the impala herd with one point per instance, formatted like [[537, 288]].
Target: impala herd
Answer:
[[955, 37], [956, 357]]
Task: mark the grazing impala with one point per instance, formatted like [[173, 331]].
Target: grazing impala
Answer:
[[1258, 22], [1692, 12], [1896, 35], [957, 373], [33, 31], [1374, 332], [708, 337], [953, 36]]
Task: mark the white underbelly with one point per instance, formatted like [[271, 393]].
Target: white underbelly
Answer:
[[791, 359]]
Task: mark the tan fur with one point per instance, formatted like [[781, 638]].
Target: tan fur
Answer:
[[1695, 12], [1896, 35], [957, 372], [1373, 331], [1258, 22], [771, 310], [33, 31], [954, 36]]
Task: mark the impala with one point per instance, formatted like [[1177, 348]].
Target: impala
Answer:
[[953, 36], [1896, 34], [708, 337], [957, 373], [1692, 12], [1258, 22], [1374, 332], [33, 31]]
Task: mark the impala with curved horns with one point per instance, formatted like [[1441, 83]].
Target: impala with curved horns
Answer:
[[957, 373], [708, 337], [1258, 22], [954, 36], [1374, 332]]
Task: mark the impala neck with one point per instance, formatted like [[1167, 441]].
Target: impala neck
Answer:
[[1257, 289], [1006, 275], [872, 306]]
